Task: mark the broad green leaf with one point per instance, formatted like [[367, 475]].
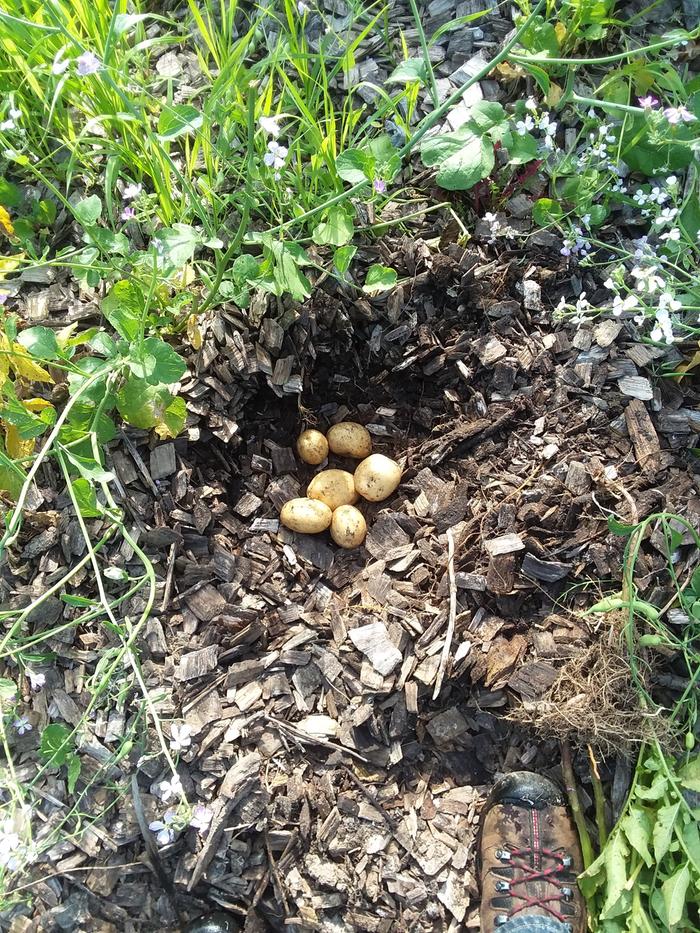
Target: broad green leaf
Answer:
[[637, 827], [103, 344], [488, 117], [546, 211], [663, 829], [336, 228], [87, 212], [55, 745], [147, 406], [656, 791], [597, 214], [179, 120], [541, 37], [86, 498], [691, 842], [73, 772], [10, 195], [177, 244], [619, 528], [521, 149], [86, 466], [108, 241], [674, 890], [690, 774], [245, 268], [169, 366], [172, 420], [12, 476], [463, 159], [355, 166], [343, 257], [8, 689], [413, 69], [615, 857], [379, 279], [123, 308], [40, 342]]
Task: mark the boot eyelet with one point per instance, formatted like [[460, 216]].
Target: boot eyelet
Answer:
[[503, 855], [500, 919], [567, 894], [567, 861], [503, 887]]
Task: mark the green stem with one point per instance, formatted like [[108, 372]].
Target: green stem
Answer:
[[426, 52], [575, 804], [603, 60]]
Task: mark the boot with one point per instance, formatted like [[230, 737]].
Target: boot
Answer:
[[529, 857]]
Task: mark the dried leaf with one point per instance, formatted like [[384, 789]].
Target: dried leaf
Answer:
[[6, 222]]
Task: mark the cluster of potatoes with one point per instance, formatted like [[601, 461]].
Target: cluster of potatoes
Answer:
[[331, 495]]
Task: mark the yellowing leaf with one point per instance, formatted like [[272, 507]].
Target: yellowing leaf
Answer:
[[10, 264], [24, 365], [553, 95], [194, 334], [36, 404], [17, 447], [684, 368], [560, 32], [510, 72], [6, 222], [185, 276]]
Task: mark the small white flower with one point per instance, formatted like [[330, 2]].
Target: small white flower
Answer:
[[610, 285], [586, 219], [666, 216], [270, 125], [36, 681], [640, 197], [531, 104], [674, 234], [524, 126], [180, 737], [302, 8], [164, 829], [621, 305], [131, 191], [201, 818], [168, 789], [7, 125], [22, 725], [671, 181], [668, 302], [647, 279], [88, 64]]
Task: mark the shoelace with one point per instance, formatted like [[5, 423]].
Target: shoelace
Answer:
[[537, 874]]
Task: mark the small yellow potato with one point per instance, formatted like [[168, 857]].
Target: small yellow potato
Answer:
[[312, 446], [348, 439], [309, 516], [348, 527], [334, 487], [377, 477]]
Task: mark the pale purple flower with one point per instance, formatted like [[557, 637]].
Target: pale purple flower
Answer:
[[22, 725], [180, 737], [649, 102], [36, 681], [164, 829], [275, 155], [302, 8], [201, 818], [676, 115], [3, 297], [128, 213], [88, 64], [131, 191], [379, 185], [9, 842]]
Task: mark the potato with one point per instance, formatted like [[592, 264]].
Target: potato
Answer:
[[348, 439], [377, 477], [312, 446], [334, 487], [348, 526], [308, 516]]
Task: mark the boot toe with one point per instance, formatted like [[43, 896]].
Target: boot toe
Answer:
[[526, 789]]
